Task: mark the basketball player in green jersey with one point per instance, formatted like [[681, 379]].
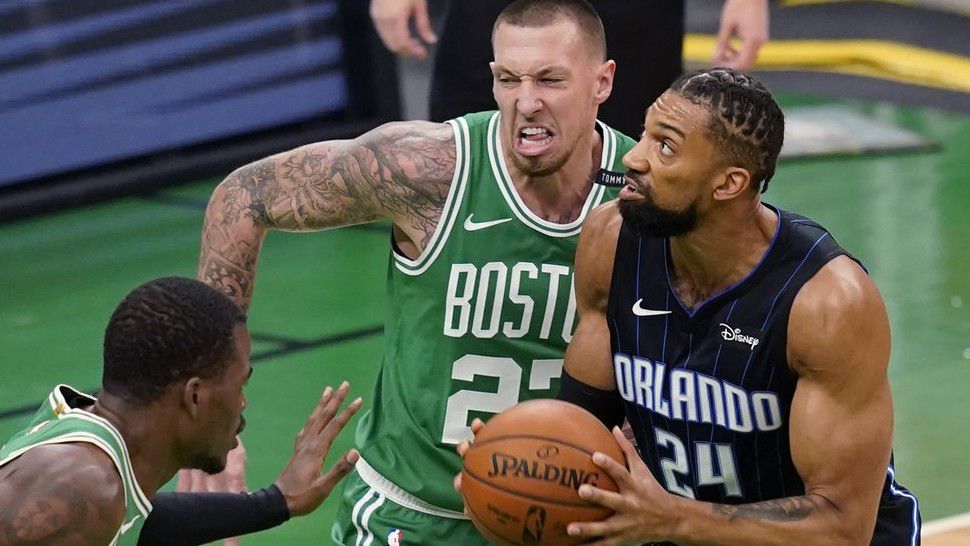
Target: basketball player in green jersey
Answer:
[[85, 470], [486, 210]]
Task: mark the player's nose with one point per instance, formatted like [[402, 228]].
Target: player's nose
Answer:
[[636, 158], [527, 100]]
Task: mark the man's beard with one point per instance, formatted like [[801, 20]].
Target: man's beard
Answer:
[[538, 165], [210, 464], [646, 217]]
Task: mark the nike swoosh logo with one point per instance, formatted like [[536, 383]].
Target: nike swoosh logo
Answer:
[[125, 527], [641, 312], [471, 225]]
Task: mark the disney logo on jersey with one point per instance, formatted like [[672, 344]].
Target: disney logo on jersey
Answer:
[[738, 337]]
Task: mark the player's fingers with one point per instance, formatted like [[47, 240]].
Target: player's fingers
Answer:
[[328, 410], [317, 411], [423, 23], [626, 446], [477, 425], [463, 448], [617, 471], [603, 529], [457, 482], [333, 428], [609, 499], [336, 473], [234, 541]]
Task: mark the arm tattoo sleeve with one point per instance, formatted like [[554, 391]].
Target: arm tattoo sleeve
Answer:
[[399, 171], [786, 509], [64, 514]]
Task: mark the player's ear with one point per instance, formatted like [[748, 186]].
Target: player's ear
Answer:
[[731, 182], [604, 81], [191, 395]]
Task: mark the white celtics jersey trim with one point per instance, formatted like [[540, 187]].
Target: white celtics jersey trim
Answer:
[[56, 399], [500, 170], [395, 494], [449, 212]]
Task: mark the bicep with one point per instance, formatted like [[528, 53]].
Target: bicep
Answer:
[[841, 415], [399, 171]]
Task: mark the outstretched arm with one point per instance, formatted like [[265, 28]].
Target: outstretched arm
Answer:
[[60, 495], [841, 431], [399, 171]]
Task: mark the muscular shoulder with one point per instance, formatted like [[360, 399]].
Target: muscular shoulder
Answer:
[[597, 248], [838, 320], [64, 494]]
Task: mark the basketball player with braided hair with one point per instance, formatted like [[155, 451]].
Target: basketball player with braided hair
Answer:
[[747, 349]]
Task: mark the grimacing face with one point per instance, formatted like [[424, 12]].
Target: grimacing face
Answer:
[[223, 418], [673, 169], [548, 87]]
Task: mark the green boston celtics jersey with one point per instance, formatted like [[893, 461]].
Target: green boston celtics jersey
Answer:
[[478, 322], [59, 420]]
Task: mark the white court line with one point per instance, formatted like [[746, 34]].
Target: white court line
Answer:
[[940, 526]]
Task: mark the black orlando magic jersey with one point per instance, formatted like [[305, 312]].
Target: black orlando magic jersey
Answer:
[[708, 391]]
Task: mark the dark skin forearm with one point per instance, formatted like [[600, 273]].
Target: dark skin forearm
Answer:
[[786, 509], [807, 519]]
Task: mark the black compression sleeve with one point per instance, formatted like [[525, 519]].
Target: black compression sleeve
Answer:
[[607, 406], [189, 519]]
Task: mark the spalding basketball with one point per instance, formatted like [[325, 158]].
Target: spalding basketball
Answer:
[[521, 476]]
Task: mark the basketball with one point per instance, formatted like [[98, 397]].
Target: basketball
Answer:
[[521, 476]]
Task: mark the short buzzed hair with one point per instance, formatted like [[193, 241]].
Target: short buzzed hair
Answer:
[[540, 13], [166, 331]]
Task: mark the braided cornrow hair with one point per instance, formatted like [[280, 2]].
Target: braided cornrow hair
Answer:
[[746, 122]]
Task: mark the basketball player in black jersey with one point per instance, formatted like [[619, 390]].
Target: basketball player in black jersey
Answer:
[[747, 350]]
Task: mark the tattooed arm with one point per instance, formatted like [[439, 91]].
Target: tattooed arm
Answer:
[[840, 427], [399, 171], [60, 495]]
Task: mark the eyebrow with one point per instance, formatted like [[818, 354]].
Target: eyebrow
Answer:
[[541, 72], [672, 128]]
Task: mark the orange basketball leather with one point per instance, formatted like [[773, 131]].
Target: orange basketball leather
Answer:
[[521, 475]]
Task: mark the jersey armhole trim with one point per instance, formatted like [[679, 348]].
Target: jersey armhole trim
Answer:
[[128, 473], [449, 212]]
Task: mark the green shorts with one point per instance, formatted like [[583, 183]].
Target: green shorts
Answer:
[[366, 517]]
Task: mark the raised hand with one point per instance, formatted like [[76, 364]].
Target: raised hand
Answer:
[[301, 482], [392, 21], [746, 20]]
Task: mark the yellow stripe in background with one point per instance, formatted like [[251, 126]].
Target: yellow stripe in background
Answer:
[[873, 58], [795, 3], [955, 6]]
